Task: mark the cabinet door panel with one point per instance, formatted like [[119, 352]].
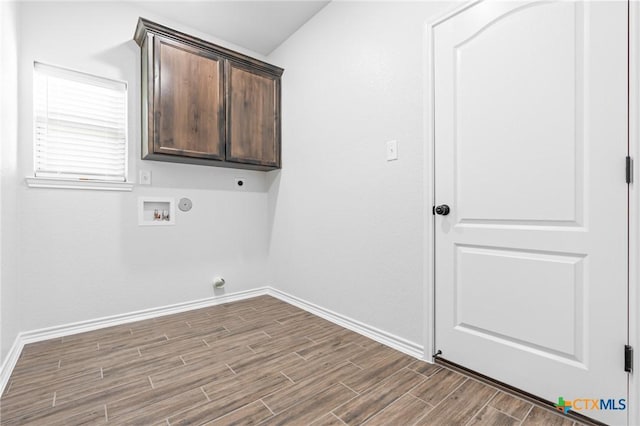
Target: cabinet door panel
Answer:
[[253, 123], [189, 103]]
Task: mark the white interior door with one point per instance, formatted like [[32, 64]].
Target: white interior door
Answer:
[[530, 145]]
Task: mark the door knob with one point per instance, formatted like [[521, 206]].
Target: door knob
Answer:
[[442, 209]]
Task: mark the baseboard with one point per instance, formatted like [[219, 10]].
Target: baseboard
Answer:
[[24, 338], [83, 326], [39, 335], [410, 348], [10, 362]]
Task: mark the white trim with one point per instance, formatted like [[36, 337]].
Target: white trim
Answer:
[[428, 188], [10, 362], [410, 348], [450, 14], [633, 411], [39, 335], [90, 325], [24, 338], [429, 294], [42, 182]]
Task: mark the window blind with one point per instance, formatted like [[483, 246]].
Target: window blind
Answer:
[[80, 125]]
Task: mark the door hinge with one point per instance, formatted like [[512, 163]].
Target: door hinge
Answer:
[[628, 358], [629, 169]]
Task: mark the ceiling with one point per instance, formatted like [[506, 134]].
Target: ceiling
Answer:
[[260, 26]]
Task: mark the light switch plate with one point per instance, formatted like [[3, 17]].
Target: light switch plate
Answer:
[[392, 150], [145, 177]]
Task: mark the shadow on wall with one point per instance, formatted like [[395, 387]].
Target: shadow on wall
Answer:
[[124, 56], [194, 176], [273, 191]]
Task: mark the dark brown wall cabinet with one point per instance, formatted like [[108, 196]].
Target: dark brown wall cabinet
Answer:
[[205, 104]]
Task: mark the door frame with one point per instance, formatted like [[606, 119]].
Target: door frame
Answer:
[[634, 204], [633, 413]]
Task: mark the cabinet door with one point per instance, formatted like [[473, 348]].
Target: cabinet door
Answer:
[[189, 101], [253, 116]]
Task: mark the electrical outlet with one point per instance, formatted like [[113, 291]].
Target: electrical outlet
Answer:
[[145, 177], [241, 183]]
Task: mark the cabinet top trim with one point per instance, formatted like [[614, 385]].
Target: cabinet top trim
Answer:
[[145, 26]]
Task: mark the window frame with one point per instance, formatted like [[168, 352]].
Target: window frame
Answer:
[[71, 181]]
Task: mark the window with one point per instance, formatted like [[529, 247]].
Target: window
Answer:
[[80, 126]]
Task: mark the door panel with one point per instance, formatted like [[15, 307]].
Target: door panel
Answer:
[[189, 103], [253, 124], [527, 280], [530, 141], [506, 58]]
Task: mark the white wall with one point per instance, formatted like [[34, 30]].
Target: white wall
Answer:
[[346, 225], [9, 225], [341, 226], [82, 253]]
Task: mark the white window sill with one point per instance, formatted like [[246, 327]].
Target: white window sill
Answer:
[[40, 182]]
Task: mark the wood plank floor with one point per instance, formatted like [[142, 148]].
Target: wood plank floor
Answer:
[[257, 361]]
